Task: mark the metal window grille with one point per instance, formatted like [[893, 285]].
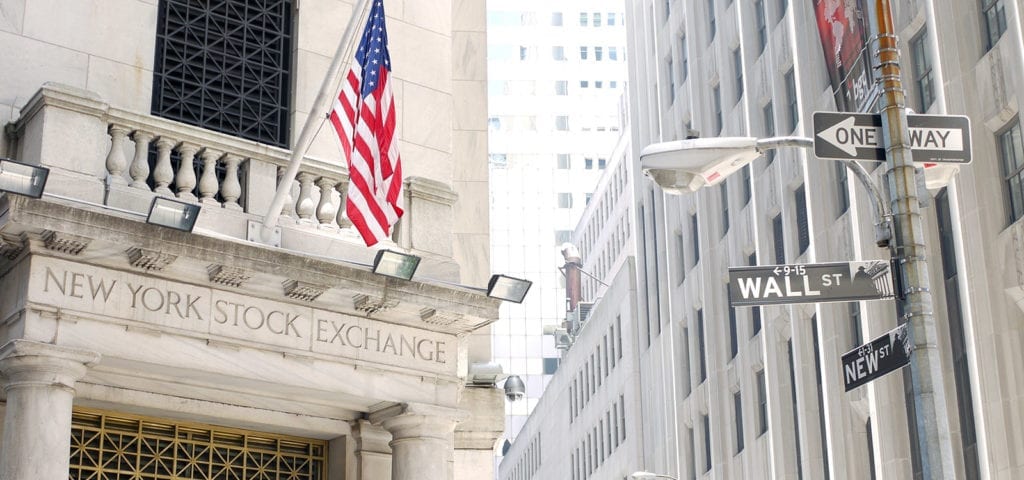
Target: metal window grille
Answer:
[[993, 12], [226, 65], [107, 445], [922, 71]]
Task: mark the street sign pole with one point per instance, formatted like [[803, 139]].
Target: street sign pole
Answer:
[[908, 247]]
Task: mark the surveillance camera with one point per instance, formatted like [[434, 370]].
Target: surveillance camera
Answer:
[[515, 389], [685, 166]]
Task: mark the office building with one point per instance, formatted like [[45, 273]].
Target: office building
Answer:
[[556, 76], [129, 349]]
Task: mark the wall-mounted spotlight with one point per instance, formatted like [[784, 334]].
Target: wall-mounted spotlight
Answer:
[[508, 288], [171, 213], [395, 264], [22, 178]]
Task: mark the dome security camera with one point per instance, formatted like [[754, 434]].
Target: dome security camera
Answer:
[[515, 389]]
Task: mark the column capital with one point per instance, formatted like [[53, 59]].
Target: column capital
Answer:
[[31, 363], [406, 420]]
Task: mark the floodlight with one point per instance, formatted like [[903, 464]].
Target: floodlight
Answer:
[[395, 264], [508, 288]]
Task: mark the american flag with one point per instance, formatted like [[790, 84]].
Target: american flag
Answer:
[[364, 117]]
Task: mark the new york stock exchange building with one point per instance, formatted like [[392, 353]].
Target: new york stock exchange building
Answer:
[[129, 349]]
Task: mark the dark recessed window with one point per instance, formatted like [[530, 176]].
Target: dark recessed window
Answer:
[[1011, 152], [993, 13], [226, 66], [802, 227]]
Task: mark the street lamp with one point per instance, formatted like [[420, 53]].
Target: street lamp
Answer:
[[641, 475]]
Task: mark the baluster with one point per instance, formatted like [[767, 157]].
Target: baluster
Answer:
[[116, 163], [288, 208], [325, 209], [163, 174], [208, 180], [230, 189], [185, 180], [139, 170], [342, 217], [304, 208]]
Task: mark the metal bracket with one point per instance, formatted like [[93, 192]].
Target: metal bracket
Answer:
[[254, 234]]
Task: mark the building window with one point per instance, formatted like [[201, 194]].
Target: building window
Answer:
[[556, 19], [792, 103], [611, 19], [761, 26], [922, 71], [842, 189], [598, 53], [716, 110], [780, 240], [737, 66], [613, 53], [737, 407], [227, 73], [558, 53], [684, 60], [584, 83], [783, 6], [994, 14], [853, 308], [550, 365], [561, 87], [712, 27], [734, 342], [583, 19], [958, 338], [762, 404], [684, 372], [796, 411], [668, 9], [107, 445], [707, 443], [602, 163], [821, 396], [871, 448], [802, 227], [694, 239], [562, 123], [747, 184], [564, 200], [595, 19], [1011, 153], [670, 81], [589, 196], [588, 163], [768, 115], [564, 161], [700, 346], [583, 53], [755, 312], [724, 191]]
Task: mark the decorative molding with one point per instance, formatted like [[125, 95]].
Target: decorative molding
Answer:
[[302, 290], [440, 319], [65, 242], [149, 260], [229, 276], [432, 190], [11, 248], [371, 305]]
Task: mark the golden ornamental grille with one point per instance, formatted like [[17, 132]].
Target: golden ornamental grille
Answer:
[[123, 447]]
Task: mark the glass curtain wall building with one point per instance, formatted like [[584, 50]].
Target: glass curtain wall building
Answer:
[[556, 75]]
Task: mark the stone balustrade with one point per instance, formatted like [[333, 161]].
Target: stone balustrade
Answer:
[[101, 154]]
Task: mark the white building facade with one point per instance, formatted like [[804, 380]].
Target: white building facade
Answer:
[[758, 392], [556, 76], [129, 349]]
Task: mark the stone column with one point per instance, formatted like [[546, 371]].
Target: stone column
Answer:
[[372, 452], [422, 443], [39, 382]]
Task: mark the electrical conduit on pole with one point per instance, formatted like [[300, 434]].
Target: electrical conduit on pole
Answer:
[[908, 246]]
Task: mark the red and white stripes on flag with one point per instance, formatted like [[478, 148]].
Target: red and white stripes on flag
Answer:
[[364, 117]]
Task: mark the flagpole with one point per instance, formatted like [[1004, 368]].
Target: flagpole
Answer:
[[317, 114]]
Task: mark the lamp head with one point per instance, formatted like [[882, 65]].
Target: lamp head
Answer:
[[685, 166]]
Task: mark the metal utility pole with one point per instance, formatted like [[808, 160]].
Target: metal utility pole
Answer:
[[933, 431]]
